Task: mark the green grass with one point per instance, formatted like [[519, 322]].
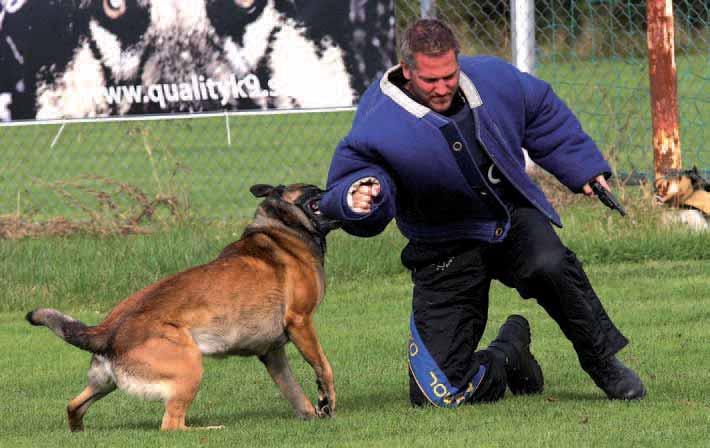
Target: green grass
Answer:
[[655, 286], [653, 280], [190, 159]]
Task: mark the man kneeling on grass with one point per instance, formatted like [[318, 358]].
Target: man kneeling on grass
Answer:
[[437, 143]]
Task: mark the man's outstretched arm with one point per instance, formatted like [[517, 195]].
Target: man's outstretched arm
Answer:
[[359, 192]]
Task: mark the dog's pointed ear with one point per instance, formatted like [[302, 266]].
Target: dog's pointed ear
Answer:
[[261, 190]]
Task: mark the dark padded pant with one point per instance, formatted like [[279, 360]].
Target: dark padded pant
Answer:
[[452, 282]]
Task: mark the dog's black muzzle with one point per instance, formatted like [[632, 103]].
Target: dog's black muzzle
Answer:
[[309, 202]]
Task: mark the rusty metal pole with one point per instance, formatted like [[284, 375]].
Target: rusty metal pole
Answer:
[[664, 95]]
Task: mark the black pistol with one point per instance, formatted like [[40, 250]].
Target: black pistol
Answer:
[[606, 197]]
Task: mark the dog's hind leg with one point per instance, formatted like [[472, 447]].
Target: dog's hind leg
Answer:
[[277, 364], [100, 384], [167, 367], [171, 371], [185, 377], [303, 334]]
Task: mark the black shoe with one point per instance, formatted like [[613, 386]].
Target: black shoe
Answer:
[[615, 379], [523, 371], [416, 397]]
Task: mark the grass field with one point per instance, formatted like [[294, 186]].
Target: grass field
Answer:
[[187, 158], [654, 280], [655, 283]]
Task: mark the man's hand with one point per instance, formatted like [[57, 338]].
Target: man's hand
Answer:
[[587, 189], [600, 188], [363, 195]]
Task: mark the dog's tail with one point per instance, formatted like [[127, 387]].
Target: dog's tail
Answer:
[[71, 330]]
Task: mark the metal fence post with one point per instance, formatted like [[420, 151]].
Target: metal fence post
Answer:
[[664, 93], [426, 8], [522, 29], [522, 19]]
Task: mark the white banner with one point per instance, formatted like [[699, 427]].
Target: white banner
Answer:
[[100, 58]]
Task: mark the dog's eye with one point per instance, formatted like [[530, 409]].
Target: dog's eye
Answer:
[[114, 9]]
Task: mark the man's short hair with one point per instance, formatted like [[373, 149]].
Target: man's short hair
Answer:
[[427, 36]]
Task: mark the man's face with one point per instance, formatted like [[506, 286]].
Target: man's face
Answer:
[[434, 79]]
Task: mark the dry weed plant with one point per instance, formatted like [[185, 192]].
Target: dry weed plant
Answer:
[[106, 206], [110, 207]]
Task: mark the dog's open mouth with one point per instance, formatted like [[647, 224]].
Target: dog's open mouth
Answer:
[[322, 222], [314, 206]]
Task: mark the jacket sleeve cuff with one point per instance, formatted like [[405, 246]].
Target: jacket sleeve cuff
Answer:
[[355, 185], [335, 204]]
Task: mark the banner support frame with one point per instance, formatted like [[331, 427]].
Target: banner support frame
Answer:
[[226, 124], [59, 133]]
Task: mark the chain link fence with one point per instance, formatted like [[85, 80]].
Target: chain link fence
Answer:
[[593, 52]]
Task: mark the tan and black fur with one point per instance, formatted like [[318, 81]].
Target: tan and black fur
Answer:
[[257, 295]]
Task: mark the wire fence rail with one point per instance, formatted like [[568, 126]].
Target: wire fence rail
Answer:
[[593, 52]]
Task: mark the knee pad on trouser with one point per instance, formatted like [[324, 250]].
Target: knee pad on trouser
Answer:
[[491, 388]]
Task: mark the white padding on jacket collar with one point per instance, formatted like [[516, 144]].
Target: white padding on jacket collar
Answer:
[[419, 110]]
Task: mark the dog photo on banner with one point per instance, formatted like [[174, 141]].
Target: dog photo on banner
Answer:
[[100, 58]]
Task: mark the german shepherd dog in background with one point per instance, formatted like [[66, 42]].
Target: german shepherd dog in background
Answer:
[[257, 295]]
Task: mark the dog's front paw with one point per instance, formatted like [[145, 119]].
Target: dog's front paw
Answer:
[[324, 408]]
